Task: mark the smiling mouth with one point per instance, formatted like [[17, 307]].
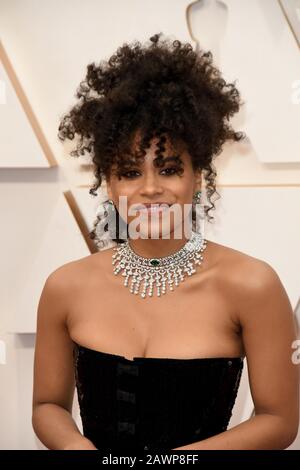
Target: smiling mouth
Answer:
[[153, 209]]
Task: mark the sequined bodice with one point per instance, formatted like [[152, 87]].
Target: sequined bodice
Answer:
[[153, 404]]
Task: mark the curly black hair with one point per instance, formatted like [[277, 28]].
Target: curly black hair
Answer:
[[164, 88]]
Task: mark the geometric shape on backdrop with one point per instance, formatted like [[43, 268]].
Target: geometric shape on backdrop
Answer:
[[63, 242], [265, 66], [22, 141], [291, 9]]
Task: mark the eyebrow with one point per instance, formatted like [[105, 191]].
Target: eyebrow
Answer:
[[173, 157], [165, 160]]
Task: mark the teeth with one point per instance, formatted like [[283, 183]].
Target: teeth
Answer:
[[155, 208]]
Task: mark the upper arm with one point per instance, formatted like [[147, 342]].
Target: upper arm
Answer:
[[53, 357], [269, 330]]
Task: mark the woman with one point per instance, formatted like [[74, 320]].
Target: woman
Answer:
[[157, 361]]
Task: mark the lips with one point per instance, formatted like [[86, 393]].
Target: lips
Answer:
[[151, 211], [149, 205], [154, 209]]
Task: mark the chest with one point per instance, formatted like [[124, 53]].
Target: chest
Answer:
[[195, 320]]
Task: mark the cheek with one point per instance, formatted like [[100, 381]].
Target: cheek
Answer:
[[124, 196], [122, 193], [185, 193], [185, 198]]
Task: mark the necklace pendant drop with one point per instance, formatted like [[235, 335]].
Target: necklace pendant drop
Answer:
[[167, 271]]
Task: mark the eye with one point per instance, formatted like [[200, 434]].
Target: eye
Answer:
[[170, 171], [173, 170], [128, 173]]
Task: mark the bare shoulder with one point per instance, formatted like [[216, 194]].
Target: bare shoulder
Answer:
[[75, 272], [248, 279], [241, 267], [256, 289]]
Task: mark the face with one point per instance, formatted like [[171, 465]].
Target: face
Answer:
[[173, 184]]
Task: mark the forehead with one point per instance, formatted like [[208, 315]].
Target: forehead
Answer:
[[169, 151]]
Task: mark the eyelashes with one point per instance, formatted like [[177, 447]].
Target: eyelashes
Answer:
[[171, 171]]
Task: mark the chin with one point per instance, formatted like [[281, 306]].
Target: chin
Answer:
[[157, 228], [157, 231]]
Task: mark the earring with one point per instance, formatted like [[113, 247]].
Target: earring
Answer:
[[111, 203], [198, 214], [197, 197], [105, 225]]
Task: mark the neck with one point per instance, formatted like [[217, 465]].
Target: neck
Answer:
[[157, 247]]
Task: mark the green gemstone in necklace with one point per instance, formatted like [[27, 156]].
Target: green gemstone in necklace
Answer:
[[154, 262]]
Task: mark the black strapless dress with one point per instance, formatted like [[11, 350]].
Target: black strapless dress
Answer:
[[153, 404]]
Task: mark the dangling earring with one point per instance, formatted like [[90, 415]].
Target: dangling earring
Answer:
[[104, 230], [109, 226], [111, 203], [197, 213], [197, 197], [110, 215]]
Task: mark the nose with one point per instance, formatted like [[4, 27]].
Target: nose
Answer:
[[151, 185]]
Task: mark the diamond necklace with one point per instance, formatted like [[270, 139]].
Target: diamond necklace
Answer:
[[171, 269]]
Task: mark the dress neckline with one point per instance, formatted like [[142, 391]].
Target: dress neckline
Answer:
[[146, 359]]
